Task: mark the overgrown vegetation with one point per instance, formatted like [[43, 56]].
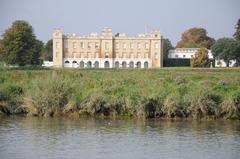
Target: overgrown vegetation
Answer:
[[152, 93]]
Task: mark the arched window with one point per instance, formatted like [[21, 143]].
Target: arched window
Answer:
[[138, 64], [66, 61], [124, 64], [145, 64], [131, 64], [96, 64], [74, 64], [89, 64], [106, 64], [116, 64], [82, 64]]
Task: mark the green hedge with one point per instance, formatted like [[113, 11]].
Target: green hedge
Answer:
[[176, 62]]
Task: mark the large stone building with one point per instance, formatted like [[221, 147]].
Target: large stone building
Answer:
[[107, 51]]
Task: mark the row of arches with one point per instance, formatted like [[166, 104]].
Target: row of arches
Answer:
[[117, 64]]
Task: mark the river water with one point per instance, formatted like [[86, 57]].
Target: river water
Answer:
[[57, 138]]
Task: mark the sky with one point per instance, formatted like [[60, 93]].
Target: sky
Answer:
[[171, 17]]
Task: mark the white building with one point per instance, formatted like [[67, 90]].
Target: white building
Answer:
[[188, 53]]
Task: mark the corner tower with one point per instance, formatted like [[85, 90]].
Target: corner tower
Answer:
[[58, 48]]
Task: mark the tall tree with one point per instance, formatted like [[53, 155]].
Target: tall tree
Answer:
[[19, 44], [194, 38], [167, 45], [236, 35], [201, 58], [226, 49], [48, 51]]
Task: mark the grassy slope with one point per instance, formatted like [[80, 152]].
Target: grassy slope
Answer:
[[168, 92]]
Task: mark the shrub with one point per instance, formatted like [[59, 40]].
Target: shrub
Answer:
[[48, 96], [230, 107], [152, 107], [173, 106], [204, 104]]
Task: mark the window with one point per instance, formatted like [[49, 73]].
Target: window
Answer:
[[132, 55], [106, 55], [156, 45], [57, 45], [139, 55], [96, 45], [146, 55], [156, 55], [56, 54], [74, 54], [89, 45], [97, 55], [191, 56], [184, 56], [117, 55], [124, 45], [74, 45], [131, 46], [138, 45], [124, 55], [81, 54], [176, 56], [65, 44], [89, 55], [106, 45], [81, 45], [117, 46], [146, 45]]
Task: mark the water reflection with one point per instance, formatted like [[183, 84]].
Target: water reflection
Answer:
[[103, 138]]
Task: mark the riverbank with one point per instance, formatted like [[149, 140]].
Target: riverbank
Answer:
[[152, 93]]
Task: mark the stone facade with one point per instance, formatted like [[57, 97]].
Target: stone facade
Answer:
[[107, 51]]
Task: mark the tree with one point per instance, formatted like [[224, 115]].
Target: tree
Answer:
[[226, 49], [48, 51], [166, 47], [195, 38], [201, 58], [19, 45], [236, 35]]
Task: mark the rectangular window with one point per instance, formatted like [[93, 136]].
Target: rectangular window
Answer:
[[132, 55], [124, 55], [81, 45], [156, 55], [124, 45], [176, 56], [138, 45], [57, 45], [74, 45], [146, 55], [184, 56], [81, 54], [97, 55], [96, 45], [156, 45], [139, 55], [131, 46], [117, 46], [117, 55], [89, 45], [106, 45], [146, 45], [65, 44], [89, 55]]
